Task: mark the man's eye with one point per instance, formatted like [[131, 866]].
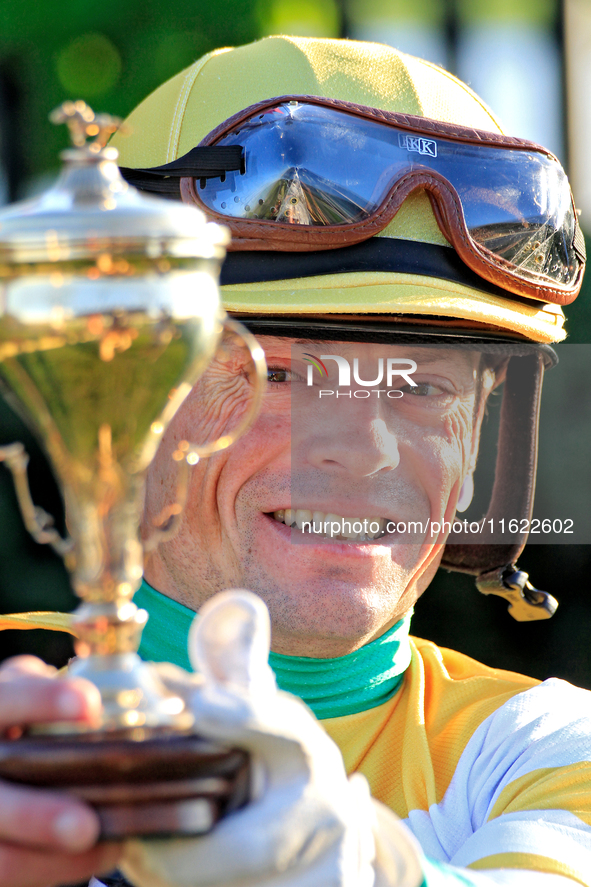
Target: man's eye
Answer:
[[423, 389], [278, 375]]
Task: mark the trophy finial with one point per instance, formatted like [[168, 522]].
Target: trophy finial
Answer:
[[83, 124]]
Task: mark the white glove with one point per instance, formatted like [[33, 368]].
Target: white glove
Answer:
[[307, 825]]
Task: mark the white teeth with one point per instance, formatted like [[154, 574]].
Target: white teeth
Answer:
[[348, 532], [333, 526], [302, 516]]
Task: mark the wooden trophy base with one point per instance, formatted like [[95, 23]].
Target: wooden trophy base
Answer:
[[162, 785]]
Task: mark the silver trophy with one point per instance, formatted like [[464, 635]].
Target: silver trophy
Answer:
[[109, 314]]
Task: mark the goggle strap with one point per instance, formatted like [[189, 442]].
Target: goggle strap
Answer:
[[202, 162], [579, 243], [375, 254], [165, 186]]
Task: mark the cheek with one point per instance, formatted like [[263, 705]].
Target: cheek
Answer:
[[162, 476], [217, 406], [458, 427], [444, 454], [459, 435], [216, 481]]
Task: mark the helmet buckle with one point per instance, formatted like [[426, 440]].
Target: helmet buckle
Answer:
[[526, 603]]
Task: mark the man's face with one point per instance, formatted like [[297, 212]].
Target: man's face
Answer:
[[381, 459]]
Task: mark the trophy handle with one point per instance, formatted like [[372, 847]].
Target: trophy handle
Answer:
[[167, 523], [195, 453], [37, 521]]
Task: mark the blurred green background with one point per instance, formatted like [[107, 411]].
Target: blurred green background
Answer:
[[528, 58]]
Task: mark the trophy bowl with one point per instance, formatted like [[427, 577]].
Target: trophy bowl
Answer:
[[109, 314]]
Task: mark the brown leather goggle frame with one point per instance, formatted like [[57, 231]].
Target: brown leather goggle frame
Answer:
[[251, 234]]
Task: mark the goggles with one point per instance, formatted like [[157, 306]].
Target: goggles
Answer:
[[318, 174]]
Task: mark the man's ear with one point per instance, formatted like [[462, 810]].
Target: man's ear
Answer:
[[500, 372]]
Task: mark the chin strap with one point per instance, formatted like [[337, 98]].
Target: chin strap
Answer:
[[526, 603], [493, 563]]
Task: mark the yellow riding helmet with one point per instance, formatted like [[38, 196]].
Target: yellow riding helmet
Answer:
[[181, 112]]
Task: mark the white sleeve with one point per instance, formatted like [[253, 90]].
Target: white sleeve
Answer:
[[520, 796]]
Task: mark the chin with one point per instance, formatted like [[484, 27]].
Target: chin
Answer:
[[336, 614]]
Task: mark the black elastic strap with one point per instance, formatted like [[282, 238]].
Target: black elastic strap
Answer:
[[202, 162], [164, 187], [375, 254], [579, 243]]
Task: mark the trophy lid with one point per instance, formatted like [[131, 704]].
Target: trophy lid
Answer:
[[92, 212]]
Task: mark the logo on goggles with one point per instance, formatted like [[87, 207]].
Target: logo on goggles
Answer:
[[395, 366], [418, 144]]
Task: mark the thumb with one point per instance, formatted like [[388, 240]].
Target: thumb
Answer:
[[229, 643], [238, 700]]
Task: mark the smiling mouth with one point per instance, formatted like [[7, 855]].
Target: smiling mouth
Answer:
[[332, 526]]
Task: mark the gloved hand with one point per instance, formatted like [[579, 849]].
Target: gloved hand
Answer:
[[307, 825]]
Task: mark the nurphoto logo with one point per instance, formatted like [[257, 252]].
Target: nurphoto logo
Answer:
[[387, 371]]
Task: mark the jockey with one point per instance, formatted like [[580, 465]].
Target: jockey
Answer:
[[384, 228]]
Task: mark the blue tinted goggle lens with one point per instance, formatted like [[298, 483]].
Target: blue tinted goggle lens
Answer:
[[317, 166]]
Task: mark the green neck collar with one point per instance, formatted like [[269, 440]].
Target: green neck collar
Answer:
[[332, 688]]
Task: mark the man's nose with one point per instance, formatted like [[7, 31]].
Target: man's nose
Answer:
[[357, 445]]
